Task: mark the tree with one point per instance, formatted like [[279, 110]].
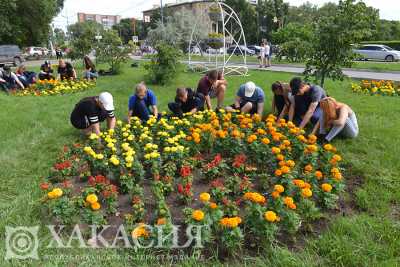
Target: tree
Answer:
[[59, 37], [83, 39], [27, 22], [176, 30], [110, 50], [267, 10], [333, 38], [248, 17]]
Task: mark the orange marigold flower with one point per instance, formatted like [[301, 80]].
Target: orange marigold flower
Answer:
[[308, 168], [275, 150], [278, 172], [280, 157], [326, 188], [161, 221], [265, 141], [205, 197], [95, 206], [275, 194], [279, 188], [213, 205], [318, 174], [198, 215], [270, 216]]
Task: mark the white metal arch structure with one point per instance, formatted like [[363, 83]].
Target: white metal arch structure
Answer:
[[228, 15]]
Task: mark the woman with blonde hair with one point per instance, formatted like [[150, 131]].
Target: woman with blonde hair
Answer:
[[337, 118]]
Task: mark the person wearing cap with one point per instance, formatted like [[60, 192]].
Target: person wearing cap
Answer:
[[186, 101], [46, 72], [249, 99], [143, 103], [305, 103], [212, 85], [90, 111]]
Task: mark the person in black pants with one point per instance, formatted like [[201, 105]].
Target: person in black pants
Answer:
[[90, 111], [186, 101], [46, 72]]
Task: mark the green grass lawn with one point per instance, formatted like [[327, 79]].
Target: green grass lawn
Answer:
[[33, 130]]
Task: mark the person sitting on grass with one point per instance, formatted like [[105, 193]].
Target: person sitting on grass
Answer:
[[9, 80], [46, 72], [212, 85], [26, 77], [186, 101], [90, 72], [249, 99], [65, 71], [305, 105], [143, 103], [337, 119], [281, 99], [90, 111]]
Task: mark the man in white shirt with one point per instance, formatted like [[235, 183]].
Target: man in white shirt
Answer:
[[267, 54]]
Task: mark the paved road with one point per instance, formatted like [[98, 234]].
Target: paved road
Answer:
[[352, 73]]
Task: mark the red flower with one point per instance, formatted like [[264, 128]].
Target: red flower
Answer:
[[100, 179], [114, 188], [136, 200], [180, 188], [44, 186], [186, 171], [239, 160], [217, 183], [77, 145], [106, 193], [225, 201], [238, 201], [215, 162], [187, 188], [92, 181], [67, 184], [65, 148]]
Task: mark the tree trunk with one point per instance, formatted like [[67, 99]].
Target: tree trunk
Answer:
[[322, 78]]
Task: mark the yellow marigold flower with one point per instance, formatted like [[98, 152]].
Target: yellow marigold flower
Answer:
[[100, 156], [280, 157], [51, 195], [298, 182], [290, 163], [198, 215], [306, 192], [337, 176], [57, 192], [232, 222], [95, 206], [252, 138], [205, 197], [139, 231], [279, 188], [335, 170], [326, 188], [265, 141], [270, 216], [91, 198], [288, 200], [275, 150], [285, 169], [337, 157], [328, 147]]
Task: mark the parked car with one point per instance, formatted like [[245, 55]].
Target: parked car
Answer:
[[214, 51], [240, 50], [11, 54], [35, 52], [378, 52], [255, 48]]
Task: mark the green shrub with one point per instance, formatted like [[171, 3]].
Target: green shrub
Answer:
[[163, 66]]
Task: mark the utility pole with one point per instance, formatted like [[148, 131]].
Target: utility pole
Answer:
[[161, 11]]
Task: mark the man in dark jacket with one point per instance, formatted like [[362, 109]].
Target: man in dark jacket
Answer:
[[186, 101]]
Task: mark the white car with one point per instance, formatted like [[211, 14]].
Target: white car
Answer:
[[36, 51], [378, 52]]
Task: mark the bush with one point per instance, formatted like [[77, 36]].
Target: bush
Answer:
[[393, 44], [163, 66], [294, 51]]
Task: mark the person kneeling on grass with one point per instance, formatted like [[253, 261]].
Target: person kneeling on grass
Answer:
[[186, 101], [337, 119], [143, 103], [249, 99], [90, 111], [212, 85], [281, 100], [9, 80]]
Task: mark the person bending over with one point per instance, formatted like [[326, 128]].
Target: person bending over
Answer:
[[186, 101], [90, 72], [66, 71], [337, 119], [90, 111], [46, 72], [281, 100], [143, 103], [26, 77], [305, 105], [9, 80], [249, 99], [212, 85]]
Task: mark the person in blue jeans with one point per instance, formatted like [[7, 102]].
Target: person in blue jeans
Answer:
[[143, 103]]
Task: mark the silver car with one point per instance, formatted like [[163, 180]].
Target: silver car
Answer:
[[378, 52]]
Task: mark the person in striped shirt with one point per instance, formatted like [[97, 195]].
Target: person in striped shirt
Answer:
[[91, 111]]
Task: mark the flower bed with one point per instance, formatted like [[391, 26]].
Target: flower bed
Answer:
[[55, 87], [244, 178], [389, 88]]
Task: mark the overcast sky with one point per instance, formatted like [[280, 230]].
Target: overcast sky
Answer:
[[389, 9]]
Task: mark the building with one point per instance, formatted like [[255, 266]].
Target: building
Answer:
[[106, 20]]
